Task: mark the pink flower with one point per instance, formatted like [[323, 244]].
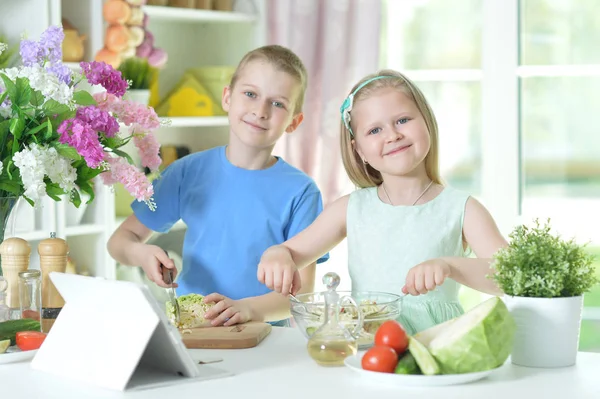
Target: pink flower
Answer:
[[106, 101], [100, 73], [149, 149], [80, 135], [134, 181]]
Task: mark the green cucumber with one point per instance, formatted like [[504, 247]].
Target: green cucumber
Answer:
[[407, 365], [10, 328]]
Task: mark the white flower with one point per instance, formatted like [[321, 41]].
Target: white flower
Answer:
[[38, 161], [3, 47], [46, 83], [59, 170]]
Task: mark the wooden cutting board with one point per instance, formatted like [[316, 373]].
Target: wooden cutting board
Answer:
[[240, 336]]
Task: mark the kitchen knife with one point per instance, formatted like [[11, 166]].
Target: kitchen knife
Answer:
[[168, 279]]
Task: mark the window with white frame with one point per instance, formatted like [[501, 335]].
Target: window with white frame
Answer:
[[514, 85]]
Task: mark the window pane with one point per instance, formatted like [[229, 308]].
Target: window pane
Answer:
[[560, 32], [560, 138], [589, 340], [434, 34], [560, 154], [457, 107]]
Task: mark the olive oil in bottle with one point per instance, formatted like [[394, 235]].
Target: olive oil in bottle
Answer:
[[331, 353], [332, 342]]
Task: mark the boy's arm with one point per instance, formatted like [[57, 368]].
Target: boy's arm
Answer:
[[123, 242], [127, 246]]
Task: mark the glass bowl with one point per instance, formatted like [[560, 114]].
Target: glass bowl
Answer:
[[377, 307]]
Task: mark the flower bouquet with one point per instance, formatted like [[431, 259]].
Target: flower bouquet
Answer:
[[56, 137]]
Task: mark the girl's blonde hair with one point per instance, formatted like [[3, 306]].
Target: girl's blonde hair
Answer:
[[363, 175]]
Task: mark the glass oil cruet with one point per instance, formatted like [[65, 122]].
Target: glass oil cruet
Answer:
[[332, 342]]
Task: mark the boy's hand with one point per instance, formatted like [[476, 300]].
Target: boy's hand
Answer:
[[426, 277], [152, 258], [278, 271], [226, 311]]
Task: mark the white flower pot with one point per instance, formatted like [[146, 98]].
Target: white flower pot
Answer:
[[547, 332], [138, 96]]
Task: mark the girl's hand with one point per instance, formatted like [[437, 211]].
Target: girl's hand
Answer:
[[277, 270], [151, 258], [426, 277], [226, 311]]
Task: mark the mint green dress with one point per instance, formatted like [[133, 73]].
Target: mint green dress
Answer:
[[385, 242]]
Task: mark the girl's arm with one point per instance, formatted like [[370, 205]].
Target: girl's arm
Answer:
[[279, 264], [273, 306], [482, 235], [268, 307]]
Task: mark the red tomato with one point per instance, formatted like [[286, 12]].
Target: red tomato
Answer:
[[391, 334], [30, 340], [380, 358]]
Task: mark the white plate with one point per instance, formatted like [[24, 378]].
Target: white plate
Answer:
[[404, 380], [14, 354]]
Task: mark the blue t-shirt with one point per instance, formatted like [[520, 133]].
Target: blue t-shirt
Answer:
[[232, 215]]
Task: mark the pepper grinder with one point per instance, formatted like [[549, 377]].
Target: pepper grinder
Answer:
[[15, 254], [53, 253]]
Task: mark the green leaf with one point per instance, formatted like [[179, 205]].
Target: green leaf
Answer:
[[87, 188], [85, 173], [124, 155], [75, 198], [3, 97], [48, 132], [37, 98], [11, 88], [67, 151], [23, 92], [53, 107], [11, 186], [15, 146], [4, 129], [54, 191], [82, 97], [114, 142], [17, 125], [37, 128]]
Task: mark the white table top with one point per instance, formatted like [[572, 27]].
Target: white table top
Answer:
[[280, 367]]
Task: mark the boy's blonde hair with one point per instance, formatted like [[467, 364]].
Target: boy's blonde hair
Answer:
[[363, 175], [283, 59]]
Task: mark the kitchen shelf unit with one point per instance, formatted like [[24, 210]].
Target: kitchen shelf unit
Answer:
[[192, 38]]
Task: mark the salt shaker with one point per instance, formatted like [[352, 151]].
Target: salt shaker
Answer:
[[30, 294], [53, 253], [15, 254]]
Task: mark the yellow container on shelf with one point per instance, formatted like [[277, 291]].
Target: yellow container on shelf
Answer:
[[214, 79], [188, 98]]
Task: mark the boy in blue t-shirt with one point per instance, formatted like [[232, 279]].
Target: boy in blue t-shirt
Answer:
[[236, 200]]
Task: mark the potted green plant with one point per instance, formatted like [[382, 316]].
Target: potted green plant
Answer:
[[544, 278], [139, 74]]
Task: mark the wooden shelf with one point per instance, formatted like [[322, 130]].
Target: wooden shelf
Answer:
[[196, 121], [35, 235], [84, 229], [178, 14]]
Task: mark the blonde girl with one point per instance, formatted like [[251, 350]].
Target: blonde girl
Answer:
[[407, 232]]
